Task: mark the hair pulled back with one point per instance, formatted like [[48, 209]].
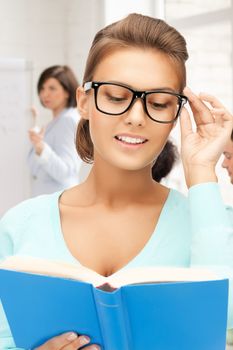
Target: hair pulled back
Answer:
[[137, 31]]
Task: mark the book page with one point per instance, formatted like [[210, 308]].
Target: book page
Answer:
[[52, 268], [118, 279], [160, 274]]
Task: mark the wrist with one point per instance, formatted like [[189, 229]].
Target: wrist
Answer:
[[39, 148], [199, 174]]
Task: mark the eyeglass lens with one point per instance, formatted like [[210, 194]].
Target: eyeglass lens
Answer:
[[114, 99]]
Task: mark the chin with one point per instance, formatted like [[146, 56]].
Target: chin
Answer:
[[128, 166]]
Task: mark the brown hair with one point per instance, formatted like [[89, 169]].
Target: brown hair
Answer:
[[165, 161], [66, 78], [137, 31], [232, 135]]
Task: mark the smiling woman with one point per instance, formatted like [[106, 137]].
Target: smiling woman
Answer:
[[133, 94]]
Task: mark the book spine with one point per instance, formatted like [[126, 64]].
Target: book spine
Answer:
[[114, 326]]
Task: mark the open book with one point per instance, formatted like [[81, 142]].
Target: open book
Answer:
[[118, 279], [148, 308]]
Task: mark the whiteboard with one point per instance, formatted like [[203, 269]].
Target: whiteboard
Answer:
[[15, 100]]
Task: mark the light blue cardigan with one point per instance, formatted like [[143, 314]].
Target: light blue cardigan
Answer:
[[197, 230]]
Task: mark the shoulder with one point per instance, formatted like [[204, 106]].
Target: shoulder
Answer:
[[229, 210], [67, 122], [34, 208], [70, 115], [177, 198], [177, 208]]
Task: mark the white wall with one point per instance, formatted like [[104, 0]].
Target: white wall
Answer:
[[207, 28], [115, 10], [49, 32]]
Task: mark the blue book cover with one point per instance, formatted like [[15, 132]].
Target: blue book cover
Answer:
[[163, 316]]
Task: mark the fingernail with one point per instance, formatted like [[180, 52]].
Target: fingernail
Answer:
[[71, 336], [95, 347], [84, 340]]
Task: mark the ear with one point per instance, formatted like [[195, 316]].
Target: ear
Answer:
[[82, 102]]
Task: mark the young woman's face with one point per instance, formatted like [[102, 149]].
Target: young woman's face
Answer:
[[130, 141], [228, 159], [53, 95]]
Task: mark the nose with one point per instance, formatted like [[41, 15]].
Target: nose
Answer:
[[136, 115], [44, 92], [225, 163]]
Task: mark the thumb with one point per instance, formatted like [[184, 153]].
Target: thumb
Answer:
[[42, 131], [185, 124], [34, 112]]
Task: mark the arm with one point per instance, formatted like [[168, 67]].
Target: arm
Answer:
[[12, 226], [212, 234], [61, 161], [33, 162], [212, 228], [6, 249]]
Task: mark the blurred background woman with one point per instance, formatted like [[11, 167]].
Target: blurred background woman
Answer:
[[53, 159]]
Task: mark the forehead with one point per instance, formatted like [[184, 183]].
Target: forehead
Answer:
[[51, 81], [229, 147], [143, 69]]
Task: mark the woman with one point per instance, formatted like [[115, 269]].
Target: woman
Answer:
[[53, 159], [132, 95]]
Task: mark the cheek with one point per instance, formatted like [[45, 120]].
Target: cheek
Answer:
[[162, 134], [98, 128]]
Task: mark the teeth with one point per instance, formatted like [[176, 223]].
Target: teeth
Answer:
[[132, 140]]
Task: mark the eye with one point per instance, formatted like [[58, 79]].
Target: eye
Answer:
[[115, 98], [162, 101], [156, 105]]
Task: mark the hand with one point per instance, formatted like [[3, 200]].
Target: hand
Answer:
[[36, 139], [34, 112], [68, 341], [201, 148]]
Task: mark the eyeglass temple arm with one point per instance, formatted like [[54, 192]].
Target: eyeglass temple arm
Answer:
[[87, 86]]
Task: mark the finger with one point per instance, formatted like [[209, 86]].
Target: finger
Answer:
[[218, 115], [185, 123], [222, 112], [32, 132], [201, 112], [34, 111], [78, 343], [223, 118], [212, 100], [42, 131], [92, 347], [59, 342]]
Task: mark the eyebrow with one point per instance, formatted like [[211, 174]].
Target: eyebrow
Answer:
[[169, 89]]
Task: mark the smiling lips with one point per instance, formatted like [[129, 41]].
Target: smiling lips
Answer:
[[129, 140]]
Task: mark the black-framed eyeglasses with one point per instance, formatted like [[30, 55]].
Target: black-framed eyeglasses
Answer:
[[115, 99]]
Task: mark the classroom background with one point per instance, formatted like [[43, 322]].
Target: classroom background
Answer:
[[35, 34]]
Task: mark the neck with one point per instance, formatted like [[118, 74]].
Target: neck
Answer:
[[117, 187], [57, 111]]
